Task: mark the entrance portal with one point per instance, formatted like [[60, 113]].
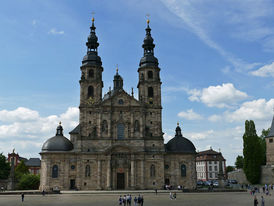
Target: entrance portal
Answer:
[[120, 181], [72, 184]]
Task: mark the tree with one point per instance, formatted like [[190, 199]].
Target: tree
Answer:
[[29, 182], [239, 162], [4, 167], [20, 170], [252, 153], [263, 144], [229, 169]]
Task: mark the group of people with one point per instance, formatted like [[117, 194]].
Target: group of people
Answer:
[[256, 202], [172, 196], [126, 200]]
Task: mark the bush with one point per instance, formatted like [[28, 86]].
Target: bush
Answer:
[[29, 182]]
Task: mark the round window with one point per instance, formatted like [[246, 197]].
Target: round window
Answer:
[[72, 167]]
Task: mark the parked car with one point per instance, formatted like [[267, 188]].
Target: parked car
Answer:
[[215, 183], [200, 183], [232, 182], [207, 183]]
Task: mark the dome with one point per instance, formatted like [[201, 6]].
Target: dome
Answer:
[[58, 142], [180, 144]]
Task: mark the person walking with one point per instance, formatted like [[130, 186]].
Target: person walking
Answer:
[[130, 198], [120, 200], [262, 201], [22, 197], [170, 195], [174, 196], [135, 201], [139, 200], [255, 201], [142, 201]]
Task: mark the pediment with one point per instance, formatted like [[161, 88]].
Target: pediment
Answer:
[[120, 99]]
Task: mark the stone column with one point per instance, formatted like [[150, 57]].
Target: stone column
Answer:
[[99, 124], [132, 125], [132, 172], [108, 174], [99, 167], [142, 125], [142, 174]]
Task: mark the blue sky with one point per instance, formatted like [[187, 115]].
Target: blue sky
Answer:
[[216, 60]]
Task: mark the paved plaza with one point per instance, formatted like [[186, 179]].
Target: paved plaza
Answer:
[[185, 199]]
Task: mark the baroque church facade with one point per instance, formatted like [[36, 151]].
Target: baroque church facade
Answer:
[[119, 142]]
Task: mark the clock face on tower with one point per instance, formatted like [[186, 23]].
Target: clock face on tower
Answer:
[[90, 101]]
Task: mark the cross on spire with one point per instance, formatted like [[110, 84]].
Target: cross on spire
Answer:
[[92, 16], [147, 15]]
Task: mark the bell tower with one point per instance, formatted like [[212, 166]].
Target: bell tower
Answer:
[[149, 88], [91, 83], [149, 85]]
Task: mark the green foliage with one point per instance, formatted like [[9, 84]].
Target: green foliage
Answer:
[[4, 167], [29, 182], [229, 169], [253, 153], [239, 162], [21, 170]]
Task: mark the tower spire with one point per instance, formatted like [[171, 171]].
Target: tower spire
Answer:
[[148, 59], [92, 44]]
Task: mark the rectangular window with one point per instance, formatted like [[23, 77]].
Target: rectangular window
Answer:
[[209, 162], [270, 140], [210, 175], [215, 162], [215, 168], [210, 168]]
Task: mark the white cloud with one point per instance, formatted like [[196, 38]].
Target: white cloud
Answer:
[[225, 95], [16, 123], [256, 110], [199, 135], [214, 118], [55, 32], [264, 71], [190, 115], [167, 137], [20, 114]]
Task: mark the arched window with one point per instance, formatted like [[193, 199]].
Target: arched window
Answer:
[[150, 74], [91, 73], [90, 91], [152, 171], [87, 171], [54, 171], [150, 92], [136, 126], [183, 170], [120, 131], [105, 126]]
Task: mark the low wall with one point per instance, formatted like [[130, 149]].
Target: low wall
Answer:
[[238, 175], [267, 175]]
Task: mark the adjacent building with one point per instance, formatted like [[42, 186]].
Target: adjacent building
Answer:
[[33, 164], [270, 145], [208, 164], [119, 142]]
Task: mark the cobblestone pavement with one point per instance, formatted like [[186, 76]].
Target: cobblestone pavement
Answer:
[[183, 199]]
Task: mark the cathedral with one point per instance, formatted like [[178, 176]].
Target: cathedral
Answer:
[[119, 142]]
